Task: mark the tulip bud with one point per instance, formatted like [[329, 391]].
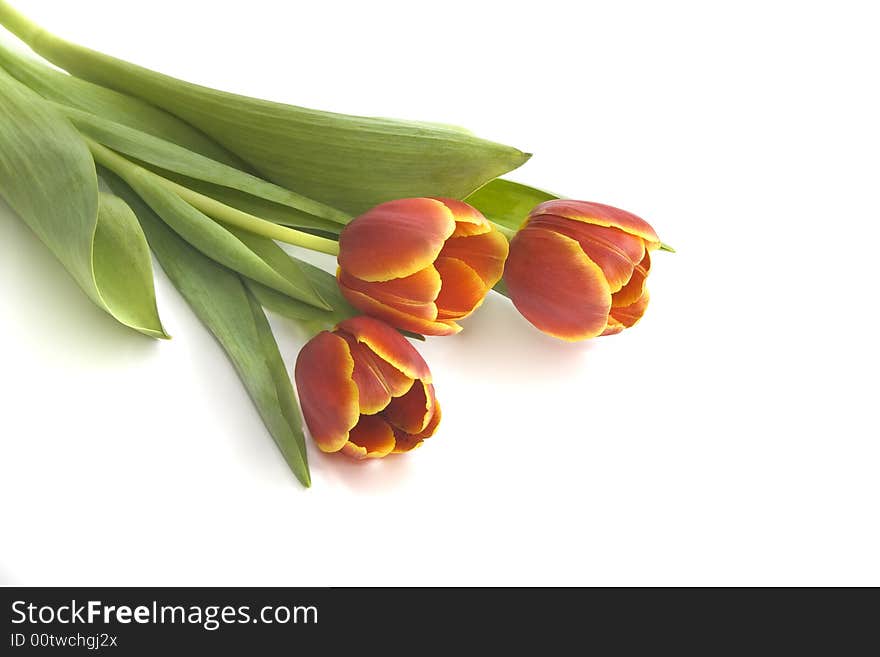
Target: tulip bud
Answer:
[[365, 390], [577, 269], [420, 264]]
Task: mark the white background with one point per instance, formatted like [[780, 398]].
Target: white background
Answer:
[[730, 438]]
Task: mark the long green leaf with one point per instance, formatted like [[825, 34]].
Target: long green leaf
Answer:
[[171, 157], [348, 162], [287, 402], [258, 207], [47, 176], [220, 243], [289, 307], [279, 260], [62, 88], [169, 146], [326, 286], [223, 304]]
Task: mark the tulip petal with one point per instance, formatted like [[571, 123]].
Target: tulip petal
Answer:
[[485, 254], [433, 423], [630, 315], [599, 214], [386, 376], [371, 438], [396, 382], [327, 394], [397, 318], [412, 412], [632, 291], [613, 328], [389, 345], [468, 220], [413, 295], [376, 380], [463, 290], [616, 252], [556, 286], [395, 239], [406, 442]]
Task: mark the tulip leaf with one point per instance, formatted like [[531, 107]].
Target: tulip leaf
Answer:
[[277, 258], [48, 177], [223, 303], [222, 244], [506, 202], [258, 207], [326, 286], [59, 87], [291, 428], [348, 162], [167, 145], [289, 307], [123, 267], [171, 157]]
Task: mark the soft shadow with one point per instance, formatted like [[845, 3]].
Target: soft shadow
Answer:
[[44, 297], [369, 475], [497, 339]]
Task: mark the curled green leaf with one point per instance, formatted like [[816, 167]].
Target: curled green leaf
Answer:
[[48, 177]]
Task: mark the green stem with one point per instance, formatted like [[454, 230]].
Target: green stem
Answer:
[[235, 217], [666, 247], [18, 24], [213, 208]]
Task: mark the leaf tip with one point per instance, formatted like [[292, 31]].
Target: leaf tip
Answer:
[[158, 333]]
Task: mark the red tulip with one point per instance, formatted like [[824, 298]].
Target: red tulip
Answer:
[[577, 269], [420, 264], [365, 390]]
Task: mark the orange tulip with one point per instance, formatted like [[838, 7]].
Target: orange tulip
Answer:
[[365, 390], [577, 269], [420, 264]]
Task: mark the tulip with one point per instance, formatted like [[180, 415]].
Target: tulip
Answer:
[[420, 264], [577, 269], [365, 390]]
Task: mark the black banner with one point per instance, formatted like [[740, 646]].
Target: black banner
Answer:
[[151, 621]]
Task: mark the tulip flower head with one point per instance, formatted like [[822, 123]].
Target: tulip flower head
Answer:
[[577, 269], [365, 390], [420, 264]]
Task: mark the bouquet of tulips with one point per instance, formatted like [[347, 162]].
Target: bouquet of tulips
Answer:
[[109, 161]]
